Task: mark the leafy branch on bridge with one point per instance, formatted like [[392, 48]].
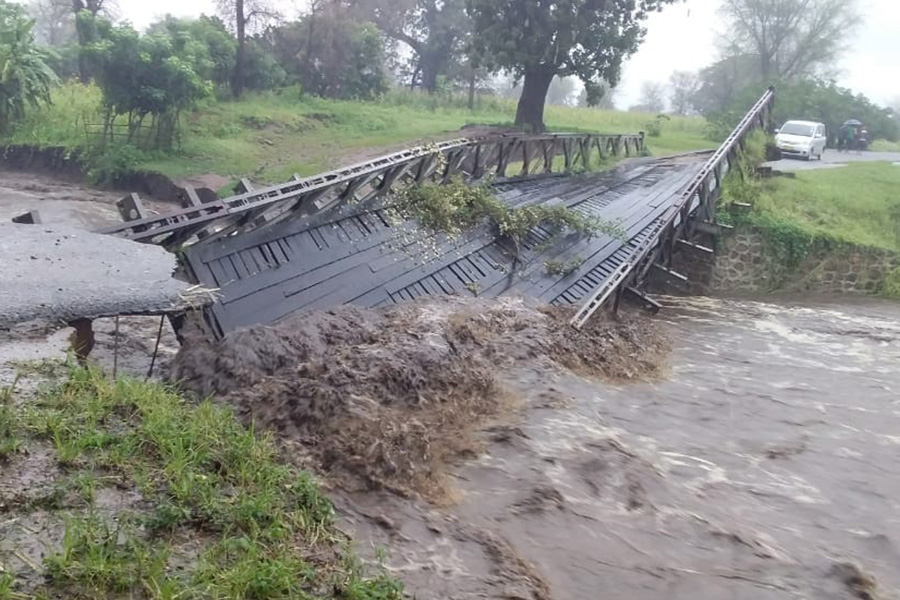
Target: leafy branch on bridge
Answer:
[[455, 207]]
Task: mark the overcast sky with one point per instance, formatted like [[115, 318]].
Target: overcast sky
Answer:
[[683, 37]]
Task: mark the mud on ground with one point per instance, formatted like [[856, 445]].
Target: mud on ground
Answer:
[[388, 398]]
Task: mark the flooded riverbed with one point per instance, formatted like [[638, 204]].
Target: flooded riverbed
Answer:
[[764, 465]]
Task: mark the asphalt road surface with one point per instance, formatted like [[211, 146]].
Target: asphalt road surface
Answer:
[[833, 159]]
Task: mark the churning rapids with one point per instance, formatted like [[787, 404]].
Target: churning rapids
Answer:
[[764, 465]]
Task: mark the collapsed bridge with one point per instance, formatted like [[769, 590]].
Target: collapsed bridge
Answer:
[[330, 239]]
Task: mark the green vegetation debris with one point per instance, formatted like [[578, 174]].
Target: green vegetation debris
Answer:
[[454, 207], [558, 267]]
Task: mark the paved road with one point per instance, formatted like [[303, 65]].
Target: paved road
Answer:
[[60, 273], [834, 159]]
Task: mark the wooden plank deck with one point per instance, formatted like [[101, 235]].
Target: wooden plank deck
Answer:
[[366, 260]]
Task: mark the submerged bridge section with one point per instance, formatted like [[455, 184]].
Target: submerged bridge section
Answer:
[[334, 239]]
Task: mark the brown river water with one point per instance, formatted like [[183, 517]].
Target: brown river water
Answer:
[[765, 464]]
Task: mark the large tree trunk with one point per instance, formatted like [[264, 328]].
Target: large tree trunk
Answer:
[[237, 81], [414, 80], [472, 90], [432, 66], [530, 112]]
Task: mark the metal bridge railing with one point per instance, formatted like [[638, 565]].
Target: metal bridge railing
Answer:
[[694, 208], [500, 157]]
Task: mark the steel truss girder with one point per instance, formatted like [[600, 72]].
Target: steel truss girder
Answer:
[[467, 158], [694, 208]]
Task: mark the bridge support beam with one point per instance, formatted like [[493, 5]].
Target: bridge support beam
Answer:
[[643, 299]]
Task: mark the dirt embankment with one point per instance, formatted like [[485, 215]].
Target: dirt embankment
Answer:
[[387, 398], [68, 167]]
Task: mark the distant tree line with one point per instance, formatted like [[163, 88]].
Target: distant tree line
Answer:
[[568, 52], [345, 49], [792, 44]]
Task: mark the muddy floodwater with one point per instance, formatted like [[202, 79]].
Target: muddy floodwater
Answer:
[[765, 465], [60, 201]]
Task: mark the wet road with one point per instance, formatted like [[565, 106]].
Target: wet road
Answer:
[[833, 159], [765, 461]]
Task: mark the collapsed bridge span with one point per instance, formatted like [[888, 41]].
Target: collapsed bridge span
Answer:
[[331, 239]]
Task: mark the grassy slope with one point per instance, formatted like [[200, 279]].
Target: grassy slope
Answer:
[[209, 510], [856, 204], [885, 146], [271, 136]]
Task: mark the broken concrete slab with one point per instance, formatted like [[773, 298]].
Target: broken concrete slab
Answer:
[[58, 273]]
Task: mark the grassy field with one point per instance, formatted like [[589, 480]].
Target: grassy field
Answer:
[[885, 146], [140, 493], [274, 135], [857, 204]]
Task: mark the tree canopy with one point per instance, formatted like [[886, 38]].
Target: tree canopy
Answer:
[[436, 32], [791, 38], [653, 98], [331, 55], [683, 86], [145, 75], [204, 42], [813, 100], [539, 39], [25, 77]]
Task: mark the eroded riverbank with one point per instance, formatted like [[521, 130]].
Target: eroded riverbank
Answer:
[[761, 463]]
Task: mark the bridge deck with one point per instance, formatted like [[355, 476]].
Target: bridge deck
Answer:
[[363, 258]]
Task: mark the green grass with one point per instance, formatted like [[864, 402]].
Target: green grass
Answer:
[[885, 146], [857, 204], [270, 136], [266, 529], [10, 439]]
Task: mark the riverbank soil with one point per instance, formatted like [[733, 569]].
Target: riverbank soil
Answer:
[[387, 398]]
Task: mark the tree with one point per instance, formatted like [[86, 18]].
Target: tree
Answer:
[[86, 11], [683, 91], [25, 78], [435, 30], [722, 81], [242, 14], [144, 76], [653, 98], [814, 100], [54, 21], [342, 59], [603, 96], [205, 42], [791, 38], [539, 39]]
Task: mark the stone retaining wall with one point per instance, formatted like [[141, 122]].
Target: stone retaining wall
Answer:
[[743, 263]]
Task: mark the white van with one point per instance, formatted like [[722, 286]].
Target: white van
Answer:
[[805, 139]]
